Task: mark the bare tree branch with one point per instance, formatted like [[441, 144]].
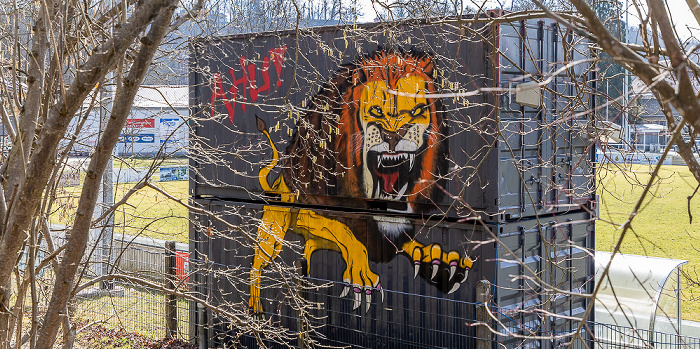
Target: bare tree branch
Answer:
[[683, 100]]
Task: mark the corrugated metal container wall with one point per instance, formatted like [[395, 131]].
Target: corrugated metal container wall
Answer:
[[410, 311], [457, 147], [546, 159], [366, 147], [558, 250]]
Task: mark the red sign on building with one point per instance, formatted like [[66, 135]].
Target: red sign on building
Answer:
[[141, 123]]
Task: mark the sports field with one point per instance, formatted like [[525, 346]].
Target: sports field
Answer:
[[662, 227]]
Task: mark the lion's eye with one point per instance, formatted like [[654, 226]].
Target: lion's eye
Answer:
[[376, 112], [417, 110]]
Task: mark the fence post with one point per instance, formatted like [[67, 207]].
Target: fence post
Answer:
[[201, 326], [301, 268], [170, 299], [483, 296]]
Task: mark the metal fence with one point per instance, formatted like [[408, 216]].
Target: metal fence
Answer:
[[133, 306], [614, 336]]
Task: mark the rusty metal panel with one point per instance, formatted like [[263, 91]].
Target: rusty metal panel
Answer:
[[459, 154]]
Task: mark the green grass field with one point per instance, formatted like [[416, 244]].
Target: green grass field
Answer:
[[146, 162], [662, 228], [146, 213], [150, 213]]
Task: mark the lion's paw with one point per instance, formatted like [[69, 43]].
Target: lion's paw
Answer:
[[363, 282], [447, 270]]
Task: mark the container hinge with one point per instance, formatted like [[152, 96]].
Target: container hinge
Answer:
[[532, 180], [553, 230], [521, 237]]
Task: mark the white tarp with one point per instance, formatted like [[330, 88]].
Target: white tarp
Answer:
[[638, 292]]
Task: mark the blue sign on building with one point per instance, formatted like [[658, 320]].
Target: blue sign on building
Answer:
[[137, 138], [168, 133]]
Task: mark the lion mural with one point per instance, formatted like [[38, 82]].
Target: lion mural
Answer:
[[373, 131]]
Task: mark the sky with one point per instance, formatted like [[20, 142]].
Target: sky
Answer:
[[683, 18]]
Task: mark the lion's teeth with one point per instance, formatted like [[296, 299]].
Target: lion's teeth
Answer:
[[413, 159], [403, 190]]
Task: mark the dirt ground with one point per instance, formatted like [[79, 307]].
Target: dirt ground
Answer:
[[101, 337]]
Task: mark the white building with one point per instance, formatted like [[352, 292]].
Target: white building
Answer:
[[156, 124]]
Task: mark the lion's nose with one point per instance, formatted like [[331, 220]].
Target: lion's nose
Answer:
[[392, 138]]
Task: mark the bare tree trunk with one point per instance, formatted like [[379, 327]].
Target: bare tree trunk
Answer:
[[69, 332], [16, 165], [28, 194], [19, 155], [5, 313], [77, 242]]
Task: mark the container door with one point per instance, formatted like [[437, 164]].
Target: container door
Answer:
[[517, 298], [572, 184], [523, 136], [569, 265], [553, 250]]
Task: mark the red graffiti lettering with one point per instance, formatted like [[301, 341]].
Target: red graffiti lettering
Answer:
[[247, 82], [277, 55], [218, 92], [254, 92]]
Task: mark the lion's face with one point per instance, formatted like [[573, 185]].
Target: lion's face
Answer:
[[394, 114], [373, 131]]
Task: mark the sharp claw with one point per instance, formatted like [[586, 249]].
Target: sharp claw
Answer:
[[455, 287], [346, 289], [466, 273], [356, 303], [453, 269], [435, 270], [368, 299], [379, 288], [416, 269]]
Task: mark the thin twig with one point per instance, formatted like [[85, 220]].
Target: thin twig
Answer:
[[690, 214]]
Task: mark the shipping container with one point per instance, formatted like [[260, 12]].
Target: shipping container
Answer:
[[464, 118], [414, 302]]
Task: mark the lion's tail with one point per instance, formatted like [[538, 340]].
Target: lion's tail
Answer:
[[262, 175]]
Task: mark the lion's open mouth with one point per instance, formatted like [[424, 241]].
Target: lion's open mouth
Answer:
[[391, 173]]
